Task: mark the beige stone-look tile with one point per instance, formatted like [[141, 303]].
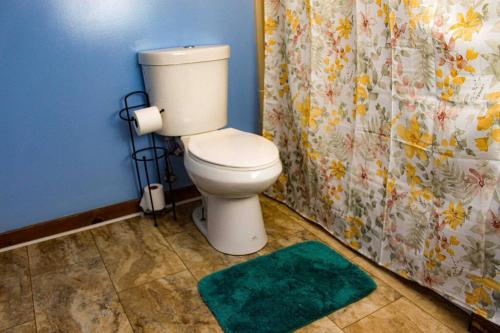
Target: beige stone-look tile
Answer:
[[14, 263], [405, 287], [28, 327], [277, 243], [199, 256], [135, 252], [60, 252], [321, 234], [78, 298], [169, 304], [379, 298], [426, 299], [401, 316], [323, 325], [14, 275], [138, 231], [16, 303], [134, 267], [443, 310], [278, 223], [16, 311], [168, 226], [14, 289]]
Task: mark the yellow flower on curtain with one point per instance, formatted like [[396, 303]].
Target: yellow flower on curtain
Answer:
[[414, 181], [284, 80], [361, 110], [270, 25], [467, 25], [410, 6], [344, 27], [486, 282], [292, 19], [454, 215], [493, 114], [484, 122], [360, 94], [361, 91], [304, 110], [478, 295], [318, 19], [471, 54], [482, 143], [382, 171], [353, 231], [316, 112], [268, 134], [384, 11], [487, 121], [338, 169], [412, 3], [416, 140], [426, 16], [495, 134]]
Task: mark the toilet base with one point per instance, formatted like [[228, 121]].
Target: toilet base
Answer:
[[232, 225]]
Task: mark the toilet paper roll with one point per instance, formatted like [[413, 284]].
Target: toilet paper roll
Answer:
[[147, 120], [158, 198]]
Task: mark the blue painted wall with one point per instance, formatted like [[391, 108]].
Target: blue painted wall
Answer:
[[65, 64]]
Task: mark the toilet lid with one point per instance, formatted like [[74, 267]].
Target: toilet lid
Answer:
[[233, 148]]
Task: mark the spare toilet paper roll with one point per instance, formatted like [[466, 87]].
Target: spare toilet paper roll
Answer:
[[158, 198], [147, 120]]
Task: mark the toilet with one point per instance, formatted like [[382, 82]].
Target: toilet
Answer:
[[229, 167]]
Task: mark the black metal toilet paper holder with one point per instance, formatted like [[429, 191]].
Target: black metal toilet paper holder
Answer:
[[141, 156]]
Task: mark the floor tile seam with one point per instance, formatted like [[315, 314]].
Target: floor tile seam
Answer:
[[411, 298], [136, 242], [388, 301], [407, 295], [16, 325], [32, 291], [60, 269], [185, 265], [416, 323], [331, 320], [151, 281], [78, 262], [112, 282], [379, 309], [295, 219], [317, 230], [380, 270], [343, 247], [430, 314], [180, 258]]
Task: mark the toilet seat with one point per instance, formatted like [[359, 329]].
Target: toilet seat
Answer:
[[234, 149]]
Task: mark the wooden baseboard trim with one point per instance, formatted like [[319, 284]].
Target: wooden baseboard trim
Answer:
[[79, 220]]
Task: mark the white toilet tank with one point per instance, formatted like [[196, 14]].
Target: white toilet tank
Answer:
[[190, 85]]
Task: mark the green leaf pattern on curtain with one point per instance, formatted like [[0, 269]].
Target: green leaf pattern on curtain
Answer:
[[387, 117]]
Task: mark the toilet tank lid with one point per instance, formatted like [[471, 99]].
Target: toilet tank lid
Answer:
[[184, 55]]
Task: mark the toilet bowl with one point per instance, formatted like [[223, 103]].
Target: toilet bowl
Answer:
[[230, 168]]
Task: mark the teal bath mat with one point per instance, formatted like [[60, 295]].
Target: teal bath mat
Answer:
[[285, 290]]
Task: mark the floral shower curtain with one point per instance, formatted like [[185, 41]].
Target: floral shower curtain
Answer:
[[387, 115]]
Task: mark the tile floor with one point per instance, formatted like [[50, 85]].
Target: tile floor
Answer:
[[132, 277]]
